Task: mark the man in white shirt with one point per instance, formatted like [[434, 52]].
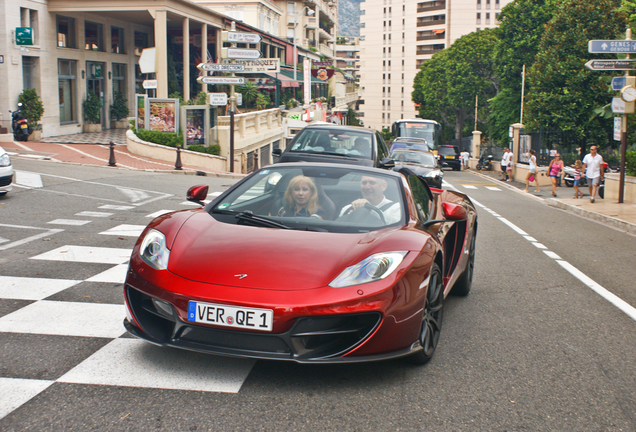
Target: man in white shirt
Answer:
[[372, 189], [504, 164], [593, 167], [465, 155]]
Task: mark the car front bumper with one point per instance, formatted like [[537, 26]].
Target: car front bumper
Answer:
[[6, 179]]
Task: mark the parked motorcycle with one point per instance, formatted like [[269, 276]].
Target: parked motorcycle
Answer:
[[484, 163], [568, 178], [20, 125]]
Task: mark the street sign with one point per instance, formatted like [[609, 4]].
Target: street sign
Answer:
[[219, 99], [617, 128], [220, 80], [266, 65], [611, 46], [149, 84], [250, 38], [240, 53], [218, 67], [611, 65], [618, 83], [619, 106]]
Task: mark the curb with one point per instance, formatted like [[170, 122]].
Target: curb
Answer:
[[598, 217]]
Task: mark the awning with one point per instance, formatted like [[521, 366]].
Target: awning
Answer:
[[439, 31], [285, 82]]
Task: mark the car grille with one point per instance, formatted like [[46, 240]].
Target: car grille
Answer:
[[6, 180], [310, 338]]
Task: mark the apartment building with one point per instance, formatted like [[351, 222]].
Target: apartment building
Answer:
[[348, 58], [399, 36]]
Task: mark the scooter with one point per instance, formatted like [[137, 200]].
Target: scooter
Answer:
[[568, 177], [484, 163], [20, 125]]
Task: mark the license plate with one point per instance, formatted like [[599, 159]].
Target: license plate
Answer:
[[230, 316], [23, 126], [450, 157]]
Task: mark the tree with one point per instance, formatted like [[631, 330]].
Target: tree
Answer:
[[92, 108], [249, 91], [562, 93], [119, 108], [32, 108], [447, 84], [521, 25]]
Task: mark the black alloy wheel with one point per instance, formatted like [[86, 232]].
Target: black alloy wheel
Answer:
[[431, 318], [465, 281]]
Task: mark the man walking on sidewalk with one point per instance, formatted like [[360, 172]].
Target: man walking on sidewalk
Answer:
[[593, 166]]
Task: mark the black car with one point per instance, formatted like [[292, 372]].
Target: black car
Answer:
[[422, 163], [336, 144], [449, 155]]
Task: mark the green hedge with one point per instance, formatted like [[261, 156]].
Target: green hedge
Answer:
[[170, 139], [630, 161], [214, 149]]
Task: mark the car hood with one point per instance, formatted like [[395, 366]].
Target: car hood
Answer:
[[209, 251]]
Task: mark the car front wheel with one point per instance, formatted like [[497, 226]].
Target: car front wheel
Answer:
[[431, 318]]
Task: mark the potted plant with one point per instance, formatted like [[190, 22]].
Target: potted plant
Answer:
[[32, 110], [119, 111], [92, 112], [250, 92]]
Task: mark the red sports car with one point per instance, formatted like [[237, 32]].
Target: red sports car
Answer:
[[308, 262]]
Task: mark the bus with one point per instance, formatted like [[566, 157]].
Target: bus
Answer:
[[430, 130]]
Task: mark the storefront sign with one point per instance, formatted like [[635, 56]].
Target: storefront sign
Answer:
[[268, 65]]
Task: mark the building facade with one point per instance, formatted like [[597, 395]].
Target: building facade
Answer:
[[400, 35]]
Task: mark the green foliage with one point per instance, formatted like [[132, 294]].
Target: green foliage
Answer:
[[119, 109], [201, 99], [562, 93], [92, 107], [630, 163], [249, 91], [291, 103], [387, 135], [214, 149], [262, 100], [32, 108], [177, 95], [353, 117], [169, 139]]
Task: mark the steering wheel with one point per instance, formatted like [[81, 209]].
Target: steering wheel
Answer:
[[377, 210]]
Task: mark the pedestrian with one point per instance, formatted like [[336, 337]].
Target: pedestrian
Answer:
[[465, 155], [578, 168], [510, 165], [593, 166], [504, 164], [554, 169], [532, 172]]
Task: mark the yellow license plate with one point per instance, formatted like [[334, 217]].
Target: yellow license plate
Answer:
[[450, 157]]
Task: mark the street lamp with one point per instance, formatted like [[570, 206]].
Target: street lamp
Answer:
[[309, 13]]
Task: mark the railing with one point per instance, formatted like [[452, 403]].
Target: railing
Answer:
[[431, 22], [435, 6], [431, 37], [325, 50]]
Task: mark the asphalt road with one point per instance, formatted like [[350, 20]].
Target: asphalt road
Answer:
[[531, 348]]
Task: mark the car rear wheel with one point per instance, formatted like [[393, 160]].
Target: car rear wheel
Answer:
[[464, 283], [431, 318]]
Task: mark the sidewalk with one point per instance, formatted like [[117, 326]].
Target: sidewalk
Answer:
[[620, 216], [94, 149]]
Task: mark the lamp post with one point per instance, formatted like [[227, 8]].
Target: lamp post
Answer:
[[309, 13]]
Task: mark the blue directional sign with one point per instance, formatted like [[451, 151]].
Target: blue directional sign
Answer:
[[618, 83], [611, 46]]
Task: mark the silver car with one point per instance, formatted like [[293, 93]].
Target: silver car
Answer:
[[6, 172]]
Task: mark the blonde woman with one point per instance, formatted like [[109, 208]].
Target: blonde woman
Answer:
[[301, 199]]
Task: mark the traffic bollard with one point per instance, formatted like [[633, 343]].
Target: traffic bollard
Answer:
[[111, 159], [177, 164]]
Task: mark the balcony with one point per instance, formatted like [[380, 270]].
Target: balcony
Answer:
[[431, 6], [431, 36], [325, 50], [425, 22]]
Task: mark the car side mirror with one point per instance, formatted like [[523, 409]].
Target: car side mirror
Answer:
[[197, 194], [386, 163], [454, 211], [277, 152]]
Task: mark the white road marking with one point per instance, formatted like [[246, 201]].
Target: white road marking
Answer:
[[530, 239], [158, 213], [116, 274], [116, 207], [25, 288], [86, 254], [125, 230], [66, 319], [513, 226], [539, 245], [551, 254], [135, 363], [3, 240], [28, 179], [469, 186], [492, 188], [76, 222], [93, 214], [135, 195], [47, 232], [14, 392]]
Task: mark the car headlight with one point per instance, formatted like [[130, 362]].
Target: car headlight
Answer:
[[371, 269], [154, 251], [432, 174], [5, 161]]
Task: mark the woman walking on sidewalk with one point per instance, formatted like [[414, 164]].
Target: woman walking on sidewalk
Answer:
[[554, 169], [532, 172]]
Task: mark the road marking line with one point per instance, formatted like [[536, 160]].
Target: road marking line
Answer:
[[551, 254], [492, 188], [115, 207], [612, 298], [115, 274], [125, 230], [158, 213], [86, 254], [93, 214], [26, 288], [74, 222], [15, 392], [540, 245], [469, 186], [28, 239], [28, 179], [513, 226], [530, 239]]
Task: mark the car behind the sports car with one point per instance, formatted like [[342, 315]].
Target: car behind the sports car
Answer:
[[422, 163], [305, 262], [6, 172]]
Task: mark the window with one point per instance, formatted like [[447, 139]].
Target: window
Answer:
[[93, 36], [65, 32], [67, 75], [421, 197], [119, 78], [117, 40], [141, 42], [29, 18]]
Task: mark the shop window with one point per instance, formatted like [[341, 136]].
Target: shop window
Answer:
[[119, 78], [65, 32], [67, 76], [93, 36], [141, 42], [117, 40]]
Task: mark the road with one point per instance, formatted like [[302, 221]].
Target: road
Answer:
[[545, 340]]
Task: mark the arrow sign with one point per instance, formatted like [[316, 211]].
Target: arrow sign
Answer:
[[611, 65], [618, 83], [217, 67], [217, 99], [240, 53], [611, 46], [250, 38], [222, 80]]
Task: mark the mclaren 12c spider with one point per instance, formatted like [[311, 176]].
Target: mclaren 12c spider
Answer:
[[307, 262]]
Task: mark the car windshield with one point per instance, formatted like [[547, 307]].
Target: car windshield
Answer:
[[415, 157], [314, 198], [333, 141], [446, 150]]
